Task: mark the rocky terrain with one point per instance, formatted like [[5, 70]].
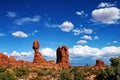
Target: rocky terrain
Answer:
[[62, 61]]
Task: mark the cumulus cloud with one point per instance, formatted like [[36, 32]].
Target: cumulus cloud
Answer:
[[23, 55], [66, 26], [86, 51], [104, 4], [11, 14], [19, 34], [48, 52], [23, 20], [107, 15], [84, 30], [15, 53], [2, 34], [82, 42], [86, 37]]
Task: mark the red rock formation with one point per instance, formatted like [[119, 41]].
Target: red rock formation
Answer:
[[63, 56], [12, 60], [37, 56], [3, 59], [100, 63]]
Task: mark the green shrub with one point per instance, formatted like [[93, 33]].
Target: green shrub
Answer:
[[78, 74], [44, 72], [66, 75], [7, 76], [2, 69], [21, 71]]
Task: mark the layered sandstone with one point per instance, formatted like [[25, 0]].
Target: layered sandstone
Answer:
[[63, 56]]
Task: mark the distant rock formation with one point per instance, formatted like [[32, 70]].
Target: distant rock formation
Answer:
[[3, 59], [63, 56], [100, 63], [37, 56], [12, 60]]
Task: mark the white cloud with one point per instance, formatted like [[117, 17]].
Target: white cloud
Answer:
[[86, 37], [23, 55], [23, 20], [80, 13], [95, 37], [82, 42], [115, 42], [20, 34], [87, 31], [2, 34], [76, 32], [48, 52], [14, 53], [106, 15], [86, 51], [84, 30], [104, 4], [11, 14], [66, 26]]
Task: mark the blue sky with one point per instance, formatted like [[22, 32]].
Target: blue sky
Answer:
[[90, 29]]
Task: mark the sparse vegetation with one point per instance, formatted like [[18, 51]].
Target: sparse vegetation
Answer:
[[2, 69], [111, 72], [6, 74], [44, 72], [21, 71]]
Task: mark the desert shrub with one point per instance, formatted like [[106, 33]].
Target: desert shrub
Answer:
[[2, 69], [78, 74], [21, 71], [66, 75], [111, 72], [7, 76], [44, 72], [72, 74]]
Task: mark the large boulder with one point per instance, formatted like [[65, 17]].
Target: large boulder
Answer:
[[63, 56], [36, 45]]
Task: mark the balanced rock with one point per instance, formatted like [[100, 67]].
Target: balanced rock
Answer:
[[63, 56], [37, 56], [100, 63]]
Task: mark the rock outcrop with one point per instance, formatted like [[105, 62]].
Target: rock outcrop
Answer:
[[63, 56], [37, 56], [12, 60], [3, 59], [100, 63]]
